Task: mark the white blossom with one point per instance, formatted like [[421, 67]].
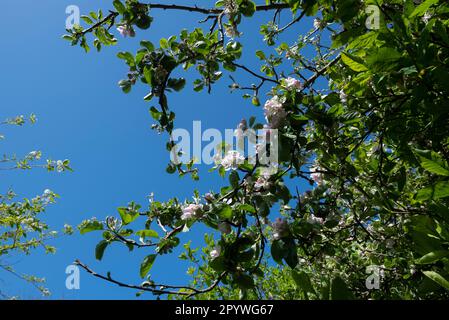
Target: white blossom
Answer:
[[426, 17], [315, 220], [291, 53], [232, 160], [293, 84], [59, 166], [231, 31], [262, 181], [215, 253], [191, 211], [316, 175], [317, 23], [126, 31], [34, 155], [274, 112], [343, 96]]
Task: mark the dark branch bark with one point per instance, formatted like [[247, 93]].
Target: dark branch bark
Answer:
[[274, 6]]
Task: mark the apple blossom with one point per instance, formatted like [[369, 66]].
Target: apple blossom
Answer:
[[293, 84], [191, 211], [274, 112], [232, 160], [215, 253], [126, 31]]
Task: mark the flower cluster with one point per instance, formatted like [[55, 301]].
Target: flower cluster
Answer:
[[315, 220], [215, 253], [318, 23], [191, 211], [126, 31], [59, 165], [316, 175], [343, 96], [231, 160], [263, 181], [293, 84], [274, 112], [231, 31], [34, 155]]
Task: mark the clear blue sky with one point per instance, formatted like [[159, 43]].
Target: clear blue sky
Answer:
[[84, 116]]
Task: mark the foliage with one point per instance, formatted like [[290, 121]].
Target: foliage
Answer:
[[372, 142], [21, 228]]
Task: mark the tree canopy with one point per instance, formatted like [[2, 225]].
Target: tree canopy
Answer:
[[363, 120]]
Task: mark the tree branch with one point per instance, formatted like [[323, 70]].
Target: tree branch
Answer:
[[273, 6]]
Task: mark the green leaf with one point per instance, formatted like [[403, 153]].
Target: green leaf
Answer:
[[384, 59], [90, 226], [260, 54], [176, 84], [148, 45], [225, 212], [422, 8], [339, 290], [127, 56], [432, 257], [291, 256], [163, 43], [144, 22], [246, 207], [87, 19], [278, 251], [247, 8], [147, 74], [437, 278], [146, 265], [351, 62], [118, 5], [302, 280], [218, 264], [433, 166], [99, 249], [234, 179], [244, 281], [147, 234], [127, 216], [437, 191]]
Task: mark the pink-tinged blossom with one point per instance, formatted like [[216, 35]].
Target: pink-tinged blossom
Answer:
[[261, 184], [316, 175], [215, 253], [232, 160], [293, 84], [209, 197], [263, 181], [191, 211], [315, 220], [274, 112], [126, 31]]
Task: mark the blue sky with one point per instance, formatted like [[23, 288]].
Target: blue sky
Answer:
[[84, 116]]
